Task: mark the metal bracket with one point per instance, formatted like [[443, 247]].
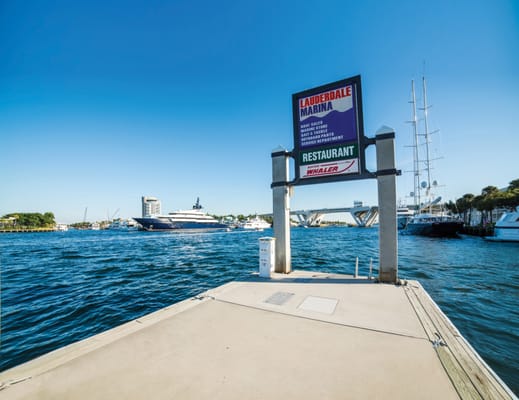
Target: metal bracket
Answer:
[[391, 171], [277, 184], [439, 341], [282, 153]]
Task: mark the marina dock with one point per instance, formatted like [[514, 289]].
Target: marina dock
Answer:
[[301, 335]]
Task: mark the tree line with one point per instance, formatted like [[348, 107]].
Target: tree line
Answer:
[[28, 220], [491, 198]]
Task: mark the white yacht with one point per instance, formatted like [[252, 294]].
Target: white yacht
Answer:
[[256, 223], [194, 219], [507, 228], [120, 224]]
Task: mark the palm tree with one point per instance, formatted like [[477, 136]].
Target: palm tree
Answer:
[[487, 201], [513, 191], [514, 184], [464, 205], [489, 191]]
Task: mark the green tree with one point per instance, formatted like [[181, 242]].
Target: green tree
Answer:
[[452, 207], [489, 199], [49, 219], [32, 220], [464, 205], [484, 205], [513, 193], [486, 202], [489, 191], [514, 184]]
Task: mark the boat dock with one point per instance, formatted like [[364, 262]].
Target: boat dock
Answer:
[[301, 335]]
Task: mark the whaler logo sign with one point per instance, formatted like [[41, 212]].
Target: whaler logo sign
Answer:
[[330, 168]]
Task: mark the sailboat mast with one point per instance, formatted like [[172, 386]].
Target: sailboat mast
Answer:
[[426, 135], [416, 164]]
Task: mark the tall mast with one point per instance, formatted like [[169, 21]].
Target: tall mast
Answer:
[[416, 163], [426, 135]]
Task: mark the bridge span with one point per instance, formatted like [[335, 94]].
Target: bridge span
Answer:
[[364, 216]]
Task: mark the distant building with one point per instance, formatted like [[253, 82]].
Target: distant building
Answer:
[[150, 206]]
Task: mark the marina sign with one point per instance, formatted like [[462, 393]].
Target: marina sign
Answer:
[[329, 133]]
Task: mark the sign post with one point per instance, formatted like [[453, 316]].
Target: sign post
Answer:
[[329, 146], [281, 210], [386, 182]]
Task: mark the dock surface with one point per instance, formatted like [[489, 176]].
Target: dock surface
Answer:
[[299, 336]]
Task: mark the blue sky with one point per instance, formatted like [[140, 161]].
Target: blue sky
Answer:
[[103, 102]]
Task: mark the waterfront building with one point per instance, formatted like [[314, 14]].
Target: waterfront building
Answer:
[[150, 206]]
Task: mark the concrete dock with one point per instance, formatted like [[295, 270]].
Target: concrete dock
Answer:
[[298, 336]]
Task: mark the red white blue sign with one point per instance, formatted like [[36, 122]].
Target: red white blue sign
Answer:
[[328, 131]]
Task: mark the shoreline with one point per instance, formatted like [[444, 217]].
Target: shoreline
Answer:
[[29, 230]]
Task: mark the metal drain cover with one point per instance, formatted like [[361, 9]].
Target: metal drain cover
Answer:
[[279, 298]]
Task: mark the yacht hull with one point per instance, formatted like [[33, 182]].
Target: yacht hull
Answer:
[[164, 224], [507, 228], [434, 229], [504, 234]]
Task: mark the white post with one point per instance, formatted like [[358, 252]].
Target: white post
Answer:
[[356, 267], [281, 209], [386, 180], [267, 246]]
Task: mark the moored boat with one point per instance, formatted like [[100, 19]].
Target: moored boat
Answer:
[[194, 219], [123, 225], [506, 228], [256, 224], [433, 225], [429, 220]]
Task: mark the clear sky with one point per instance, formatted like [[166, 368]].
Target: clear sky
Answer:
[[102, 102]]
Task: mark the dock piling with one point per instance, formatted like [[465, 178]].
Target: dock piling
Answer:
[[386, 181], [281, 209]]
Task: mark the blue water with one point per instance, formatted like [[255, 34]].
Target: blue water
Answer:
[[58, 288]]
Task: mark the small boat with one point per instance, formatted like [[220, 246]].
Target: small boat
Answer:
[[61, 227], [123, 225], [507, 228], [183, 220], [256, 224]]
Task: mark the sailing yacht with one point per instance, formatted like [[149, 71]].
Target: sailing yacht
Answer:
[[428, 220]]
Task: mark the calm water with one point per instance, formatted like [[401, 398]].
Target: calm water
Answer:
[[58, 288]]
